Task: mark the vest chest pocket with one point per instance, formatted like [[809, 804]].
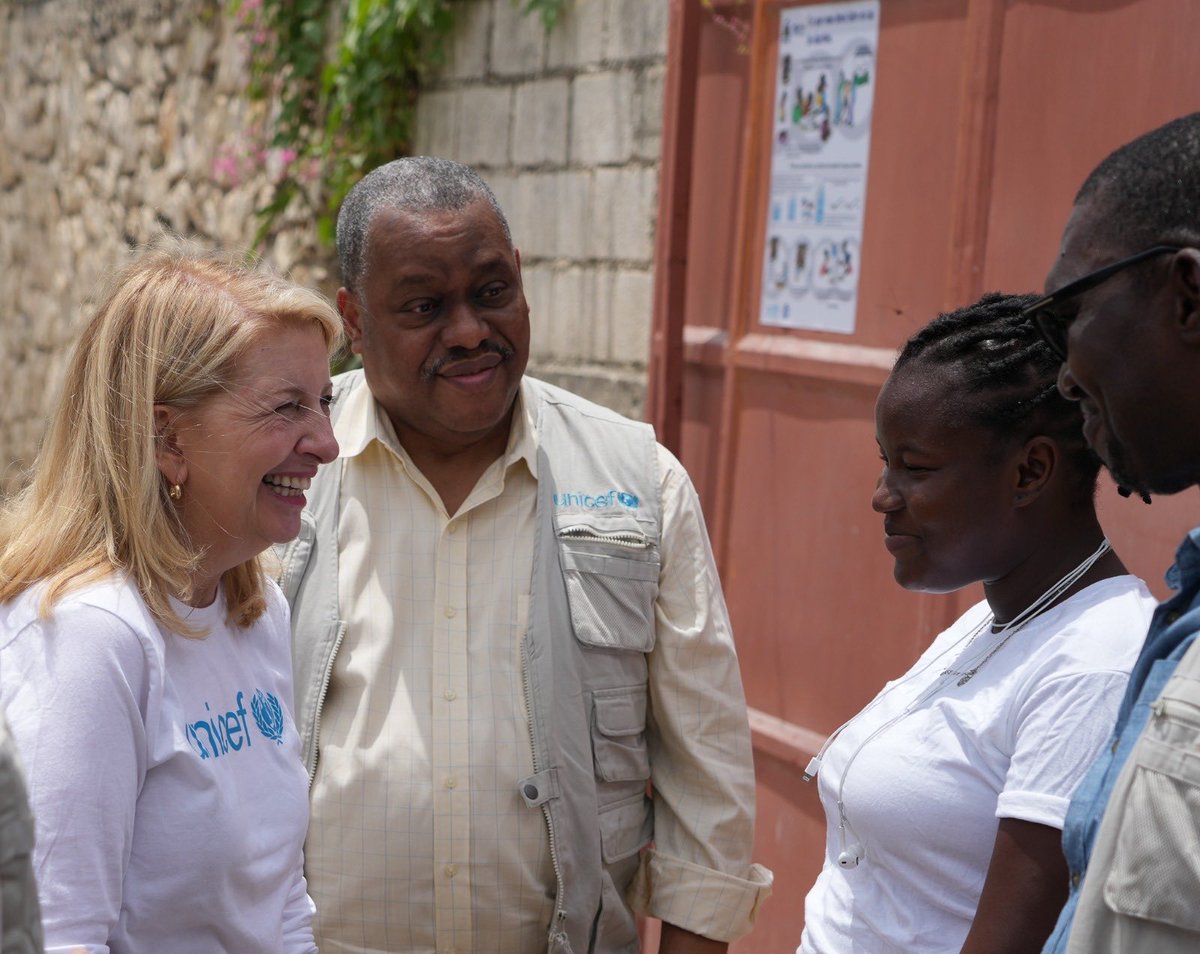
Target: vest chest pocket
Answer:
[[1158, 842], [611, 594]]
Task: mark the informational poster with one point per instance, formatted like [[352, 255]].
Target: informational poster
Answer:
[[821, 135]]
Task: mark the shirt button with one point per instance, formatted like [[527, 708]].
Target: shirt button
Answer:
[[1074, 879], [451, 782], [450, 612], [450, 870], [449, 695], [452, 528]]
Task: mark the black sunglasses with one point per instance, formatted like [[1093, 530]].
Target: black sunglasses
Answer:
[[1052, 326]]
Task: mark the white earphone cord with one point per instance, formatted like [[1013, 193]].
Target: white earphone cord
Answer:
[[852, 855]]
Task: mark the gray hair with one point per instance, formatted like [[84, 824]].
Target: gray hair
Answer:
[[411, 184]]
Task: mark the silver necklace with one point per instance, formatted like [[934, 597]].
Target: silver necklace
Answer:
[[965, 676], [853, 853], [1043, 602]]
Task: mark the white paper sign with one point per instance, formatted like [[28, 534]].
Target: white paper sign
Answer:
[[824, 91]]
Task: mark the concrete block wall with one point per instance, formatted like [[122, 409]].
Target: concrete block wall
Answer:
[[566, 127]]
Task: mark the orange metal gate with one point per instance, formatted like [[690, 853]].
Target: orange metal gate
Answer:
[[987, 116]]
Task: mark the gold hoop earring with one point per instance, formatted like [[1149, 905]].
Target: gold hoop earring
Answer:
[[176, 492]]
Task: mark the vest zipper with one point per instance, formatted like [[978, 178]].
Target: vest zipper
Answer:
[[560, 915], [328, 674], [630, 539]]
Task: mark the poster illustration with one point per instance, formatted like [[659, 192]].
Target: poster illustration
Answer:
[[821, 135]]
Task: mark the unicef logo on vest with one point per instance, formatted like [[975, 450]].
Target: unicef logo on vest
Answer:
[[606, 500], [221, 733]]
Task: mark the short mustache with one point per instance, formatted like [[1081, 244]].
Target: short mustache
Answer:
[[455, 354]]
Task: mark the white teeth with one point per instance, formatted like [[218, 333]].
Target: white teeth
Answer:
[[286, 485]]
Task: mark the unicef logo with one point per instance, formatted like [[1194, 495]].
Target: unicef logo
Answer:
[[268, 714], [221, 733], [601, 501]]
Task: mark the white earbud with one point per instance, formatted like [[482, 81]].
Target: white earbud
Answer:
[[852, 853]]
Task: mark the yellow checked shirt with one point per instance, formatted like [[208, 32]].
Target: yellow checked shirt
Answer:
[[419, 841]]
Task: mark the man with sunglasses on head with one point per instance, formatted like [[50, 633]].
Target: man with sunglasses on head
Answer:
[[1123, 312]]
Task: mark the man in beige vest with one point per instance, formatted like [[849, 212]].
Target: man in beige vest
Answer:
[[508, 628], [1123, 311]]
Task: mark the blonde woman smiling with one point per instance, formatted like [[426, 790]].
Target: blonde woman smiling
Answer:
[[144, 657]]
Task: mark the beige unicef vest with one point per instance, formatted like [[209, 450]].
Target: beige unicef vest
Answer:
[[591, 622]]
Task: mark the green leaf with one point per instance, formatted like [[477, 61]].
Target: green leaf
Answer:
[[342, 82]]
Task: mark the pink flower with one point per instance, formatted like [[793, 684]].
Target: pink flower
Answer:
[[225, 169]]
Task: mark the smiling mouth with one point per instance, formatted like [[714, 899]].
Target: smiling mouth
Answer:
[[287, 486], [471, 366], [461, 363]]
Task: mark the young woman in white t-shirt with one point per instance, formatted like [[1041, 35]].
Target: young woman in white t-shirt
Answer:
[[144, 657], [945, 796]]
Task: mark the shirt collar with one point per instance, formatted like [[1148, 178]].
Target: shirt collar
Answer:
[[1186, 570], [360, 420], [522, 436], [363, 420]]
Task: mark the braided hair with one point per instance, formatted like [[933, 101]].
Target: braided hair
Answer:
[[1008, 377]]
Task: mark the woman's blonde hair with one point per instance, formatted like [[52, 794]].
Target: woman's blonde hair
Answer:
[[169, 331]]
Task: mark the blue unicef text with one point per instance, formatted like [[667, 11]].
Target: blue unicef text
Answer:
[[598, 501], [220, 733]]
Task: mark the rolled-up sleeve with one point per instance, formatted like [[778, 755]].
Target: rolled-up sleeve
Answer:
[[698, 875]]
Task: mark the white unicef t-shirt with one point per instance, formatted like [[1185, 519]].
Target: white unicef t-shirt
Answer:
[[923, 797], [164, 774]]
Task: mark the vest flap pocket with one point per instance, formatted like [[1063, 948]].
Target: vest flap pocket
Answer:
[[625, 828], [611, 598], [603, 564], [1155, 871], [619, 734], [620, 712]]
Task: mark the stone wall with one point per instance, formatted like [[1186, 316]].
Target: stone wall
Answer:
[[113, 115], [122, 118]]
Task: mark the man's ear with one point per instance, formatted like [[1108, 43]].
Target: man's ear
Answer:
[[1035, 467], [1185, 282], [517, 258], [167, 453], [347, 305]]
